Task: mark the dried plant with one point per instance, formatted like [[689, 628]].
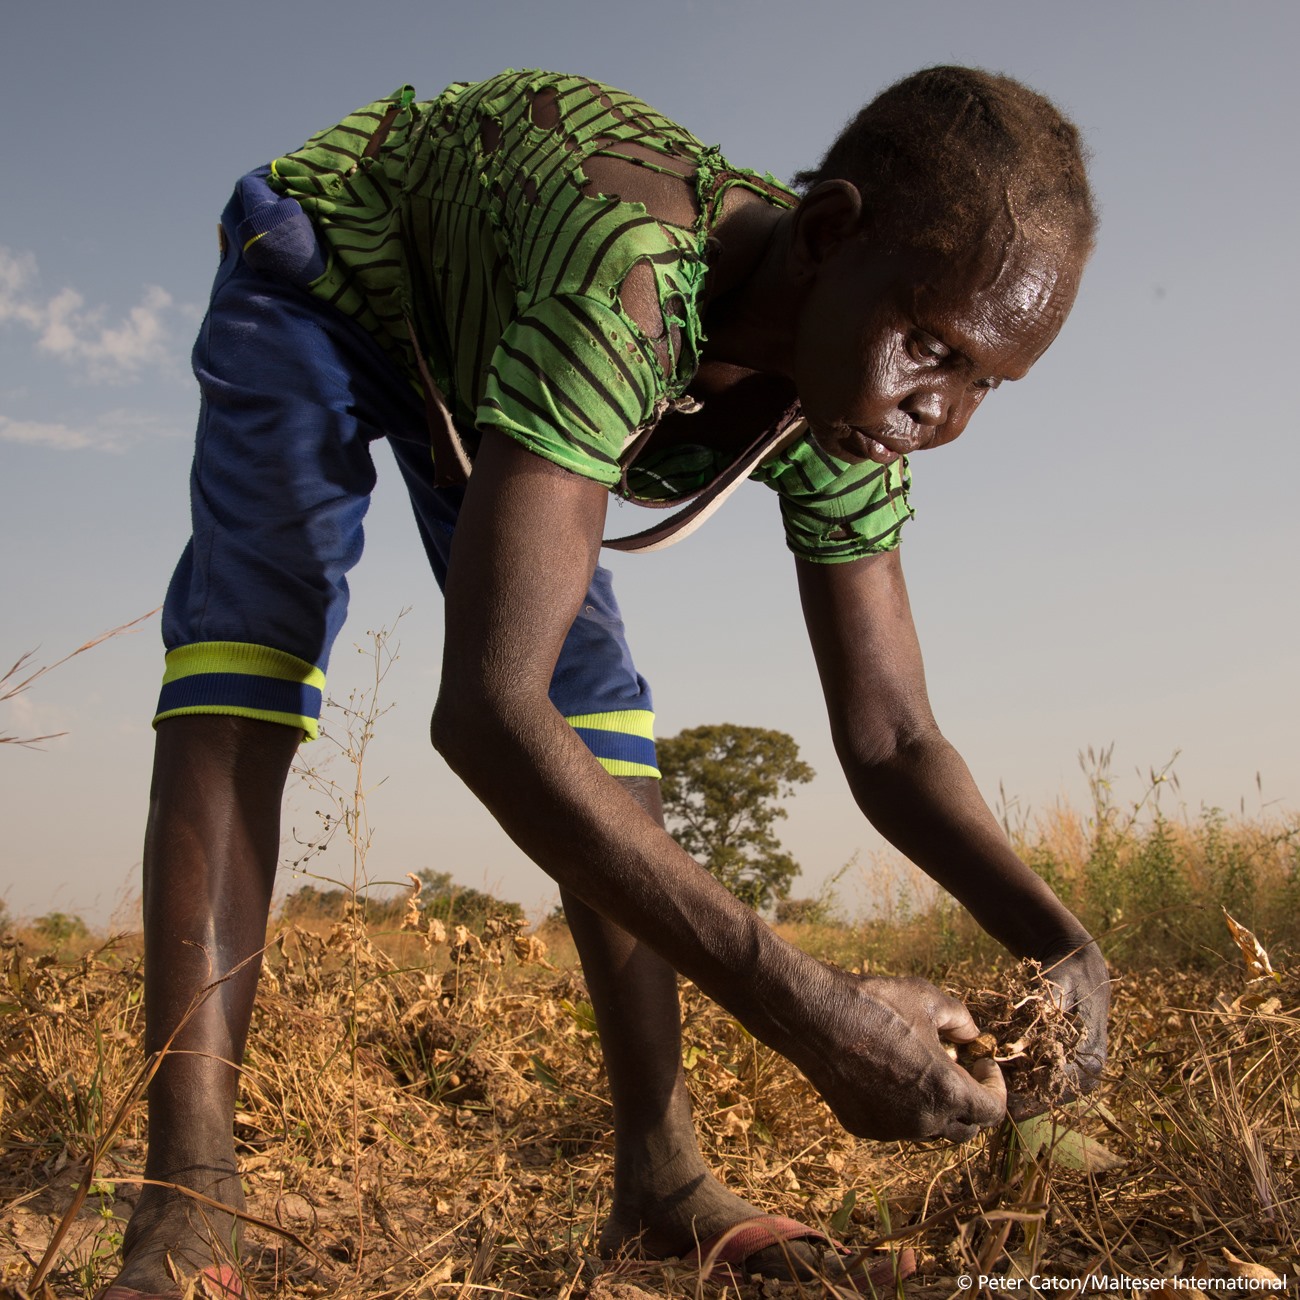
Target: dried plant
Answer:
[[22, 674], [1027, 1031], [424, 1114]]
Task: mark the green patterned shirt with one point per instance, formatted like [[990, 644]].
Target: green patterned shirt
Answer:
[[472, 218]]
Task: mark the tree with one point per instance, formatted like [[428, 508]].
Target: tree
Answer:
[[59, 928], [440, 896], [721, 790], [455, 904]]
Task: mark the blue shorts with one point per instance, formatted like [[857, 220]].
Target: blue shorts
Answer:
[[293, 394]]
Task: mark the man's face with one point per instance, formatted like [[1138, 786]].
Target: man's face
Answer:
[[890, 360]]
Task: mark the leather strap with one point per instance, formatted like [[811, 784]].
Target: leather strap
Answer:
[[451, 465], [380, 133], [682, 524]]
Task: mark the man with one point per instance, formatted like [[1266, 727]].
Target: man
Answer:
[[591, 299]]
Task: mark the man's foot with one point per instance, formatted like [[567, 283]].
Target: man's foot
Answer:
[[672, 1224], [172, 1236], [733, 1252]]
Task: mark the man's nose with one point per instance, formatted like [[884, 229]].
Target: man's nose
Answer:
[[927, 406]]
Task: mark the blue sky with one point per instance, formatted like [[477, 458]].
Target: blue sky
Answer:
[[1106, 556]]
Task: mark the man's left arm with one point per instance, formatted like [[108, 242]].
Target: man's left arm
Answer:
[[914, 788]]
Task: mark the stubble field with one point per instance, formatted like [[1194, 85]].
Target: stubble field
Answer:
[[424, 1114]]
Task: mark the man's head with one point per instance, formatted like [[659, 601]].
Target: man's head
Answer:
[[940, 244], [951, 159]]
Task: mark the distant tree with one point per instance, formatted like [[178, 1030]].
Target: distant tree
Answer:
[[311, 904], [58, 928], [455, 904], [722, 787], [804, 911], [440, 897]]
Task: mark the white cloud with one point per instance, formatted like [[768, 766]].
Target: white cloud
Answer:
[[104, 351], [114, 431], [40, 433]]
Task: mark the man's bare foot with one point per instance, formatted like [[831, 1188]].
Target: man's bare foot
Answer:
[[171, 1235]]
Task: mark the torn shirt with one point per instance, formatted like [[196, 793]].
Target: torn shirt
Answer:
[[473, 218]]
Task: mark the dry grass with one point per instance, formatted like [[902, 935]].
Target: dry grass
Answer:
[[427, 1126], [23, 673], [423, 1113]]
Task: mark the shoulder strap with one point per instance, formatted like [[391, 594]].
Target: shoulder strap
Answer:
[[682, 524], [451, 465]]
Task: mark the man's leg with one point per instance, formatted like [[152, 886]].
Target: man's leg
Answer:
[[665, 1198], [293, 393], [210, 856]]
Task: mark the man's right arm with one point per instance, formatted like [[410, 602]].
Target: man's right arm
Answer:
[[525, 548]]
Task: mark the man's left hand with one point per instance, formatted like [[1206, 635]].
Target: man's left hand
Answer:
[[1081, 984]]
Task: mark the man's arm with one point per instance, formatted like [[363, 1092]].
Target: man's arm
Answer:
[[525, 547], [916, 790]]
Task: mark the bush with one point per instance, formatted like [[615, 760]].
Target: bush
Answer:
[[1152, 888], [440, 897], [58, 928]]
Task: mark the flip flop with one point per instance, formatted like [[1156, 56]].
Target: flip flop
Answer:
[[219, 1282], [732, 1246]]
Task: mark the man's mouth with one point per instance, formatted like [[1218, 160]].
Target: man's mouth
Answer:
[[884, 451]]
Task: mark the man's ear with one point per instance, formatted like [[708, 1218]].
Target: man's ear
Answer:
[[828, 215]]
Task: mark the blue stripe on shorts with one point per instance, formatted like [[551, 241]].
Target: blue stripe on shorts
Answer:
[[617, 746], [240, 690]]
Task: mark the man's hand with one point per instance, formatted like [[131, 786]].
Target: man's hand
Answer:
[[874, 1049], [1079, 983], [1083, 986]]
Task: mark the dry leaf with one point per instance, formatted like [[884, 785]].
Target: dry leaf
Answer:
[[530, 950], [465, 946], [1066, 1147], [1244, 1268], [411, 919], [735, 1125], [1257, 962]]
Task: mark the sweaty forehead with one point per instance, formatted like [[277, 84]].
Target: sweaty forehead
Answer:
[[1009, 312]]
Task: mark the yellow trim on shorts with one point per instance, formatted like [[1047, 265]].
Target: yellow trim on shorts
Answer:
[[634, 722], [310, 727], [204, 658], [621, 767], [628, 722]]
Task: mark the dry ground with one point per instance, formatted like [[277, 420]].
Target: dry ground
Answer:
[[425, 1115]]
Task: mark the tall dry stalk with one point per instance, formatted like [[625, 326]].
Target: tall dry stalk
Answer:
[[14, 683], [349, 728]]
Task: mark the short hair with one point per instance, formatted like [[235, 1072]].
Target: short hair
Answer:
[[952, 159]]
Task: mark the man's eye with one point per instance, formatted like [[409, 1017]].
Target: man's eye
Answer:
[[925, 347], [987, 385]]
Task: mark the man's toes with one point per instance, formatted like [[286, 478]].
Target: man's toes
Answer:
[[784, 1259]]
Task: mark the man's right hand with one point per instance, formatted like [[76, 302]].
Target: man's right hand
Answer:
[[876, 1054], [526, 546]]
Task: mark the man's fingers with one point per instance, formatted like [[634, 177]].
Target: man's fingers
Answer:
[[952, 1020], [984, 1103], [986, 1094]]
